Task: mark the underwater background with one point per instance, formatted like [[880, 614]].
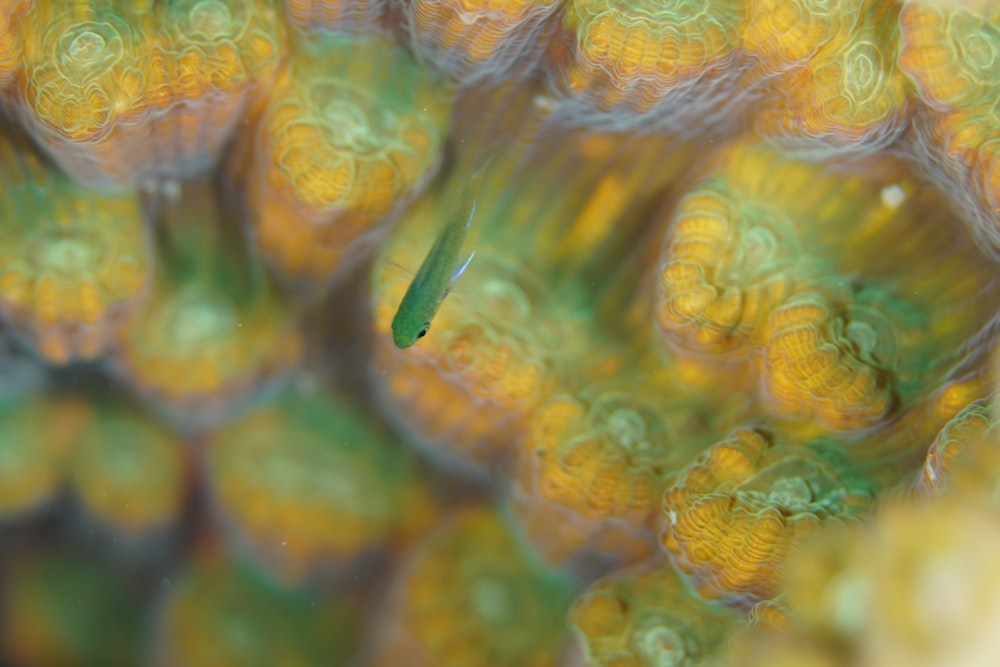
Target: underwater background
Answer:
[[716, 389]]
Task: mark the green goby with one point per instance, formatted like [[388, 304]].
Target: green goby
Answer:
[[438, 272]]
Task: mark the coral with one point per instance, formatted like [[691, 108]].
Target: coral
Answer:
[[478, 40], [770, 263], [214, 330], [950, 52], [74, 265], [38, 435], [915, 588], [849, 97], [207, 63], [633, 62], [645, 617], [721, 365], [83, 65], [122, 94], [311, 489], [594, 465], [219, 613], [815, 367], [471, 595], [967, 443], [893, 455], [732, 518], [128, 472], [64, 609], [723, 272], [352, 127], [783, 35], [11, 14], [957, 151], [83, 85], [346, 15]]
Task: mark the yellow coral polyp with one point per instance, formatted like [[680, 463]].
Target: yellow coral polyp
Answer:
[[11, 14], [100, 77], [335, 141], [645, 616], [655, 41], [787, 33], [471, 595], [189, 346], [311, 498], [337, 147], [73, 266], [724, 269], [474, 40], [812, 368], [637, 58], [37, 437], [128, 473], [951, 53], [467, 391], [731, 518], [970, 433], [222, 47], [75, 63], [453, 403], [590, 474], [849, 97]]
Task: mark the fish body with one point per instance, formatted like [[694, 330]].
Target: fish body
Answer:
[[440, 269]]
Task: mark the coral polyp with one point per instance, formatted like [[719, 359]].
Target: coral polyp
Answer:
[[662, 63], [733, 517], [123, 95], [74, 266], [288, 482], [350, 128], [645, 616], [472, 595]]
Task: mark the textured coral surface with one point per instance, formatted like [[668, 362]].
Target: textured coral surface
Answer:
[[704, 296]]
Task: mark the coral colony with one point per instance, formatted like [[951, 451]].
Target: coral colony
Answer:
[[716, 388]]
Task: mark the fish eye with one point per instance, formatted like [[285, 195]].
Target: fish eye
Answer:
[[423, 331]]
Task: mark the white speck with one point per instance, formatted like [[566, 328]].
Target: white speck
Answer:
[[171, 189], [543, 102], [893, 196]]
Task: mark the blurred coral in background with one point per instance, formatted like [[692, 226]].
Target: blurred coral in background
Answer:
[[716, 387]]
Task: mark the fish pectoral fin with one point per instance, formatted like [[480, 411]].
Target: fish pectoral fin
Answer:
[[460, 270], [472, 214], [399, 266]]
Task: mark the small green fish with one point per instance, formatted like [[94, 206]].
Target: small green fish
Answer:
[[438, 272]]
